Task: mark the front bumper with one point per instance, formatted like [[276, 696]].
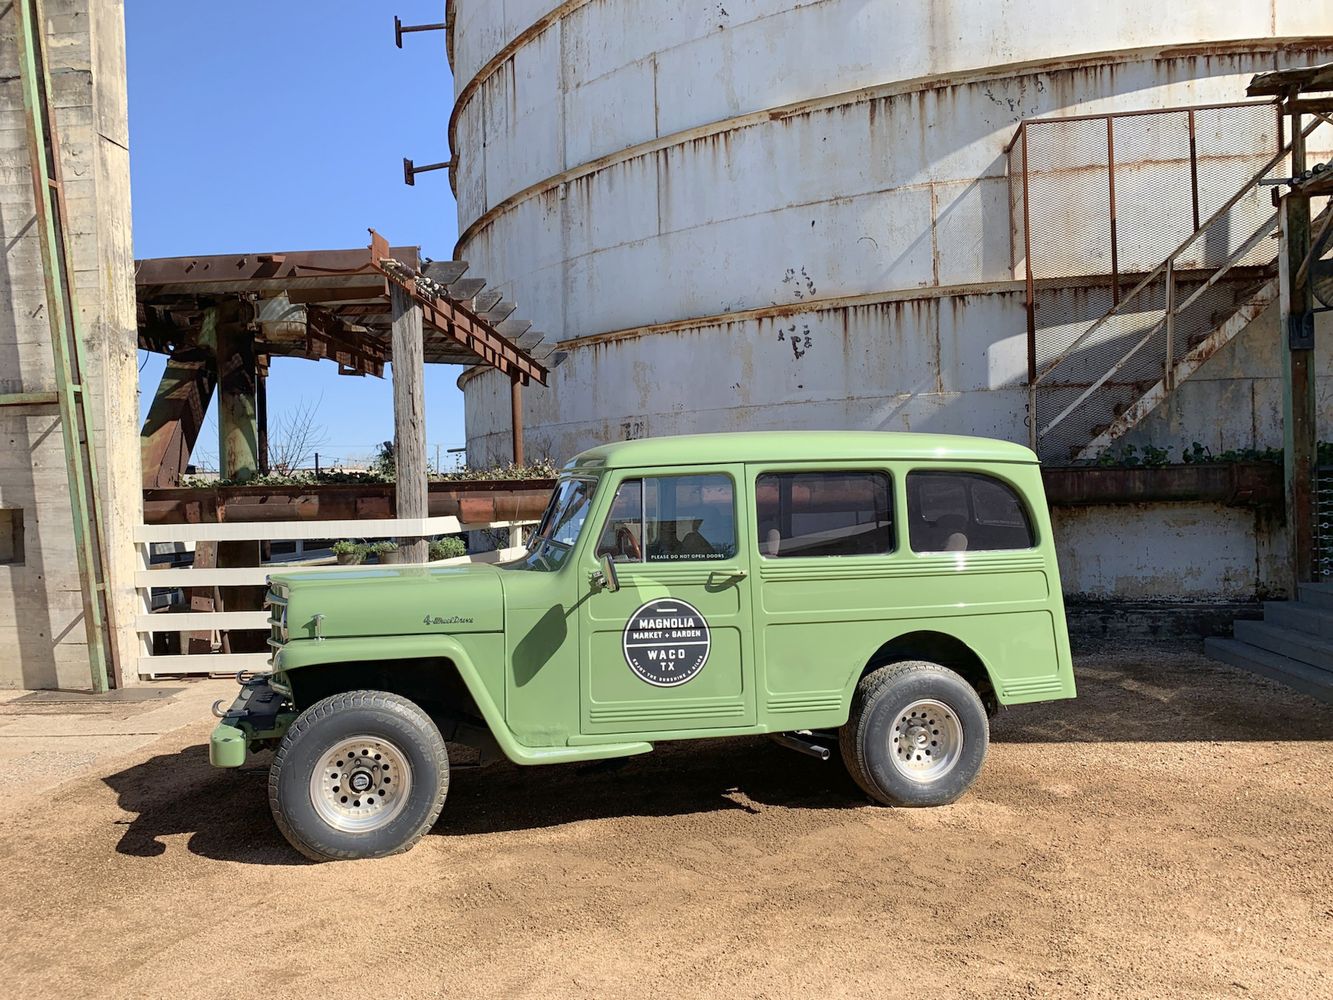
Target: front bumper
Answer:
[[259, 713]]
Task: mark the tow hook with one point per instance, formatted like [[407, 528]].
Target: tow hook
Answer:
[[802, 741], [217, 708]]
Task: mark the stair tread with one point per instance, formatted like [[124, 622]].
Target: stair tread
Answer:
[[1315, 644], [1303, 677], [1303, 607]]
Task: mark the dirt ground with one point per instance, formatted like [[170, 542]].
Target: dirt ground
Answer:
[[1169, 834]]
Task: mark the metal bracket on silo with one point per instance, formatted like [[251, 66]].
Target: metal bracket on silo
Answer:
[[400, 29], [410, 169]]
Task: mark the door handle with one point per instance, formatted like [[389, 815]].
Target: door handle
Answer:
[[725, 576]]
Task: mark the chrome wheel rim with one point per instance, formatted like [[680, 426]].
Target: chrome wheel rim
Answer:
[[361, 784], [926, 741]]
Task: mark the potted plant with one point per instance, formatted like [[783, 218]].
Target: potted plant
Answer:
[[386, 551], [348, 552]]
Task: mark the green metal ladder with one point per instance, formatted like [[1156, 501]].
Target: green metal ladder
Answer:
[[66, 341]]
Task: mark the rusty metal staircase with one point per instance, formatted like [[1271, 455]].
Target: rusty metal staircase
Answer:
[[1110, 374]]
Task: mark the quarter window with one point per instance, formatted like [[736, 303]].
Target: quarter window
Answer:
[[824, 514], [671, 519], [965, 512]]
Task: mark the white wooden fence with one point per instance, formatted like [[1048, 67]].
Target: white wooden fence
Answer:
[[147, 579]]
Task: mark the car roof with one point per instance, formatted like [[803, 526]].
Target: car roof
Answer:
[[799, 446]]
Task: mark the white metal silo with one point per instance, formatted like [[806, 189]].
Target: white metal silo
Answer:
[[768, 214]]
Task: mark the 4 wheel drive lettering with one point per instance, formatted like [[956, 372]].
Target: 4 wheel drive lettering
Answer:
[[437, 620], [667, 642]]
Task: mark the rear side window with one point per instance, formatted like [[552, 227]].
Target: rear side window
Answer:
[[824, 514], [965, 512]]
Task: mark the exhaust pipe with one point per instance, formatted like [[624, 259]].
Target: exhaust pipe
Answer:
[[801, 743]]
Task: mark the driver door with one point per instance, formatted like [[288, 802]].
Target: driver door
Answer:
[[670, 652]]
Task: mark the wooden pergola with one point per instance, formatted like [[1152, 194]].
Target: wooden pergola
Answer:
[[220, 319]]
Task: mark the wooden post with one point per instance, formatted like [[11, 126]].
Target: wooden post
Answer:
[[1298, 397], [409, 417], [238, 423], [516, 416], [261, 412], [238, 449], [1296, 327]]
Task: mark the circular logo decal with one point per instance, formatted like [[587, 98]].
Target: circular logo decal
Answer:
[[667, 642]]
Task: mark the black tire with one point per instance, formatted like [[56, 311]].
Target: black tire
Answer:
[[879, 727], [376, 719]]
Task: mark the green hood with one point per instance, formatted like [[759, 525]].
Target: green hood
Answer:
[[405, 600]]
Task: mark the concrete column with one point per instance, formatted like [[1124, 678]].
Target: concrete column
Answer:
[[409, 417]]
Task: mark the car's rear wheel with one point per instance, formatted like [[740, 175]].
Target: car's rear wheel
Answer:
[[916, 736], [361, 774]]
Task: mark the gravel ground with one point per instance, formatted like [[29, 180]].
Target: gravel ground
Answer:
[[1168, 834]]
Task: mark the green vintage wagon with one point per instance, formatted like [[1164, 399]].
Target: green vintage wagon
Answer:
[[877, 596]]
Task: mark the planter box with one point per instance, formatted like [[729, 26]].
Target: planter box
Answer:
[[473, 502], [1239, 484]]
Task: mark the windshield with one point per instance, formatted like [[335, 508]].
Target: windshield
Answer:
[[560, 526]]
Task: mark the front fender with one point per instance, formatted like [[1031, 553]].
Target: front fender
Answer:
[[310, 653]]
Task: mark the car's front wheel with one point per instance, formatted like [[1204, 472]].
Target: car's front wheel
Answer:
[[361, 774], [916, 736]]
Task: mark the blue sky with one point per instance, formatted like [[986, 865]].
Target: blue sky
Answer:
[[282, 126]]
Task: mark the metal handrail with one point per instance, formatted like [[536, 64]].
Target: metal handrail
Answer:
[[1170, 260], [1139, 113]]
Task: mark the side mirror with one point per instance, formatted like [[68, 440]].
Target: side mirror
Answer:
[[607, 574]]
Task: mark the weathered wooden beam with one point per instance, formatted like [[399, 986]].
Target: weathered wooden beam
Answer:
[[1282, 81], [176, 416], [236, 272], [1296, 331], [409, 417]]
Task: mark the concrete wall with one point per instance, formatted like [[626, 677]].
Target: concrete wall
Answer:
[[1169, 552], [42, 638]]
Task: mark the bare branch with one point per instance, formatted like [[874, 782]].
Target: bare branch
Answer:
[[294, 439]]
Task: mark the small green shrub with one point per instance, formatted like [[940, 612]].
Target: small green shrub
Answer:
[[345, 547], [448, 547]]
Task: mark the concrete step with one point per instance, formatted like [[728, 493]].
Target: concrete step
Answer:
[[1319, 595], [1299, 616], [1311, 649], [1301, 676]]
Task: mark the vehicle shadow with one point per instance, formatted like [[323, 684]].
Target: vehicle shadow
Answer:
[[223, 812], [748, 774], [1123, 697]]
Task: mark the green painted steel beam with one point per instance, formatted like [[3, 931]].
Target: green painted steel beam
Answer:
[[28, 398], [52, 230]]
